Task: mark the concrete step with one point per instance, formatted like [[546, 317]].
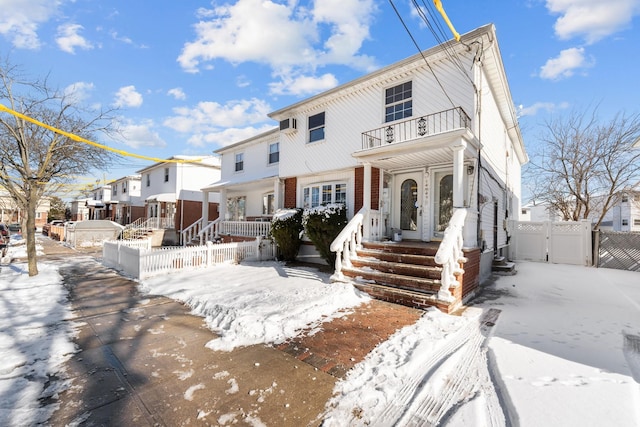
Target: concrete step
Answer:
[[411, 283], [399, 268], [424, 260]]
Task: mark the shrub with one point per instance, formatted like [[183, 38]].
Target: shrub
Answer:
[[322, 225], [286, 229]]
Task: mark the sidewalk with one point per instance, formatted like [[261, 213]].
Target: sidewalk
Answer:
[[143, 361]]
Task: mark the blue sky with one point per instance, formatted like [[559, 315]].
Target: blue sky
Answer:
[[189, 77]]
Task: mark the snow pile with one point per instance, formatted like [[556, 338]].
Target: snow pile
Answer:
[[256, 303], [35, 342]]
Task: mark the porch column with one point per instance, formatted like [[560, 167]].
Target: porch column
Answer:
[[366, 201], [458, 175], [222, 206], [205, 208], [276, 194]]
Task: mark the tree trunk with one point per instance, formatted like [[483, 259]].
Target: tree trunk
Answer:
[[29, 233]]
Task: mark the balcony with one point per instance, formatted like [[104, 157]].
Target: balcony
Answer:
[[416, 128]]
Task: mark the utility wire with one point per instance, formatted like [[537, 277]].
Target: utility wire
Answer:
[[94, 144], [421, 53]]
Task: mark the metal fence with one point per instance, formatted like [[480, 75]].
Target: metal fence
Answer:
[[619, 250]]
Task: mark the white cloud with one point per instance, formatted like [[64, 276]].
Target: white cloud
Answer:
[[211, 115], [211, 122], [303, 85], [282, 35], [68, 38], [592, 19], [124, 39], [136, 135], [177, 93], [127, 96], [19, 20], [565, 64], [532, 110], [78, 91]]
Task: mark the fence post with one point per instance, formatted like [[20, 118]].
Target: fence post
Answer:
[[259, 248], [209, 253]]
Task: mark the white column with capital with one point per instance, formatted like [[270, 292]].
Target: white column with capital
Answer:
[[458, 175]]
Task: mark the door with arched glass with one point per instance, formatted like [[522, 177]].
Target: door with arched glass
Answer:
[[408, 205], [443, 202]]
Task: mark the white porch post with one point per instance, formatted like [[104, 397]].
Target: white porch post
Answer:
[[222, 206], [366, 201], [458, 175], [276, 193], [205, 208]]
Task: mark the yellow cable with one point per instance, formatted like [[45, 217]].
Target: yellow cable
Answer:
[[95, 144], [438, 4]]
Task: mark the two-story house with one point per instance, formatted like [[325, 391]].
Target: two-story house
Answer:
[[425, 154], [171, 190], [99, 203], [127, 199]]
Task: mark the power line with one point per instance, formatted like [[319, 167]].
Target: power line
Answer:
[[94, 144], [421, 53]]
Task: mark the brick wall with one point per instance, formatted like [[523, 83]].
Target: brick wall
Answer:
[[358, 197], [290, 188], [471, 277]]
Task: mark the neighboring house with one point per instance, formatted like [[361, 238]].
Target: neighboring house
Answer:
[[405, 149], [128, 205], [625, 214], [171, 191], [79, 209], [99, 203], [539, 212], [10, 213]]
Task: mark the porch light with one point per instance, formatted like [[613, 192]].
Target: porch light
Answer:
[[422, 126], [389, 133]]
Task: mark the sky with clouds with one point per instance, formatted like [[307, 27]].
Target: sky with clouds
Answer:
[[191, 77]]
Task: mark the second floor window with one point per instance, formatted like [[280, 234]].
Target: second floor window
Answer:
[[148, 180], [166, 174], [239, 162], [398, 102], [274, 153], [124, 187], [316, 127], [114, 190]]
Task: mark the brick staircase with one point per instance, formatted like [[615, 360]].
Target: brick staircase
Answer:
[[399, 272]]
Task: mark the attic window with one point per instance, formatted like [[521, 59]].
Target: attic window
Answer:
[[398, 102]]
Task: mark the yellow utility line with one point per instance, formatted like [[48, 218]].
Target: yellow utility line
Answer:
[[95, 144], [438, 4]]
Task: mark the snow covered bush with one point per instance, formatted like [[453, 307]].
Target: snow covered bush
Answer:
[[286, 229], [322, 225]]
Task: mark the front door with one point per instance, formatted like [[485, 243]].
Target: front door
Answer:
[[408, 205], [443, 202]]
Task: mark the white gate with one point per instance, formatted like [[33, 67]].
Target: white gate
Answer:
[[556, 242]]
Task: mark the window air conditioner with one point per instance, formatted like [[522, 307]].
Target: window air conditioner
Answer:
[[289, 125]]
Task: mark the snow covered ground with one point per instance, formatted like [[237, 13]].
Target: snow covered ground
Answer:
[[556, 355]]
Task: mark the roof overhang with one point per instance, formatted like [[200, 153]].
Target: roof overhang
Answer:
[[162, 197], [420, 152], [92, 203], [242, 183]]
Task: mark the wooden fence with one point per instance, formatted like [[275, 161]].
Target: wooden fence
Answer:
[[140, 262]]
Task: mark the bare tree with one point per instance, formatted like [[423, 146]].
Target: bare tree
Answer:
[[583, 165], [35, 161]]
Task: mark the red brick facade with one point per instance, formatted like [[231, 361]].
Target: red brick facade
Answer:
[[290, 196], [188, 212], [358, 198]]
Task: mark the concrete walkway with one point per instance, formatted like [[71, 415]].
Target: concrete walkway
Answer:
[[143, 361]]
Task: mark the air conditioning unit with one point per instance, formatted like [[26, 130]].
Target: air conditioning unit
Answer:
[[289, 125]]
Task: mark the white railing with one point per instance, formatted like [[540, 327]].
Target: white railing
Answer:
[[346, 243], [450, 255], [244, 228], [189, 234], [136, 229], [142, 262], [159, 223], [210, 232]]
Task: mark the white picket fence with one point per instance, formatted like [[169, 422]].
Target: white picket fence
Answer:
[[139, 261]]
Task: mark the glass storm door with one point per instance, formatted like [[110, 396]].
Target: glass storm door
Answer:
[[408, 205], [443, 201]]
